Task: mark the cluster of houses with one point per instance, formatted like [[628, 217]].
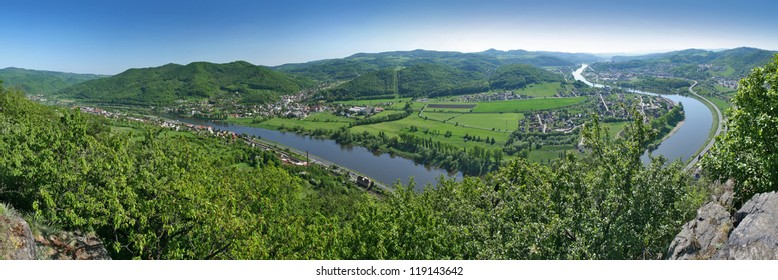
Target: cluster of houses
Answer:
[[288, 106], [727, 83], [98, 111], [607, 107]]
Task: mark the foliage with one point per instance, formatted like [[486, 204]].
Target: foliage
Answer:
[[748, 152]]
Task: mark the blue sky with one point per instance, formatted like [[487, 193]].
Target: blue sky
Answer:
[[108, 37]]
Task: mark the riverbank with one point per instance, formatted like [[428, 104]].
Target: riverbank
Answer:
[[673, 131]]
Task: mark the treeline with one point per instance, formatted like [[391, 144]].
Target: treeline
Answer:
[[150, 194], [474, 161], [665, 123]]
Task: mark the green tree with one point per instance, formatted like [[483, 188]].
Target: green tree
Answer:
[[748, 152]]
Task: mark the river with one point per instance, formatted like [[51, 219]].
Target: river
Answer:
[[382, 167], [692, 134]]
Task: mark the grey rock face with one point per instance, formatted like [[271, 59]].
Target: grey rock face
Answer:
[[701, 237], [755, 236]]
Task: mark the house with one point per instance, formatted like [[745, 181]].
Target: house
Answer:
[[363, 181]]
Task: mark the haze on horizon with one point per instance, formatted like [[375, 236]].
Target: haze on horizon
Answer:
[[108, 37]]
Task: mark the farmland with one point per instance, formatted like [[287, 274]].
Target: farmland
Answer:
[[526, 104], [473, 136], [542, 90]]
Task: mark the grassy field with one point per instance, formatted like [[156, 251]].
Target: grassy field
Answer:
[[499, 122], [526, 104], [723, 89], [440, 116], [615, 128], [396, 103], [549, 153], [722, 104], [541, 90], [435, 130], [325, 116], [454, 110]]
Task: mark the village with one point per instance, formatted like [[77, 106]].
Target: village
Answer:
[[609, 107], [613, 76]]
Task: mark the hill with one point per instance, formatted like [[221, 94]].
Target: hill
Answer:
[[517, 76], [198, 80], [432, 80], [485, 62], [695, 63], [41, 82]]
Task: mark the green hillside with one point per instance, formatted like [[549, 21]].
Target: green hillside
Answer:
[[432, 80], [516, 76], [485, 62], [439, 80], [199, 80], [694, 63], [41, 82]]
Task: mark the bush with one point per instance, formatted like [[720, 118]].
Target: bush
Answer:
[[748, 152]]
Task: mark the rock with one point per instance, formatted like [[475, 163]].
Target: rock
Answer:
[[72, 246], [756, 230], [728, 194], [703, 236], [16, 240]]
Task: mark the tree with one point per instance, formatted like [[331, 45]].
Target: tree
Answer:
[[748, 152]]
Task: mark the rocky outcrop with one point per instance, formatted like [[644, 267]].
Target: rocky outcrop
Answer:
[[71, 246], [755, 236], [19, 242], [701, 237], [16, 240], [751, 233]]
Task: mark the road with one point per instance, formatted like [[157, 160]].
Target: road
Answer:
[[712, 140]]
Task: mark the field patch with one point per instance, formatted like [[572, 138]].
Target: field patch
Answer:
[[451, 106], [549, 153], [497, 122], [526, 104], [541, 90], [440, 116]]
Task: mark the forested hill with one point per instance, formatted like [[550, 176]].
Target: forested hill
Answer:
[[485, 62], [733, 63], [41, 82], [432, 80], [198, 80]]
